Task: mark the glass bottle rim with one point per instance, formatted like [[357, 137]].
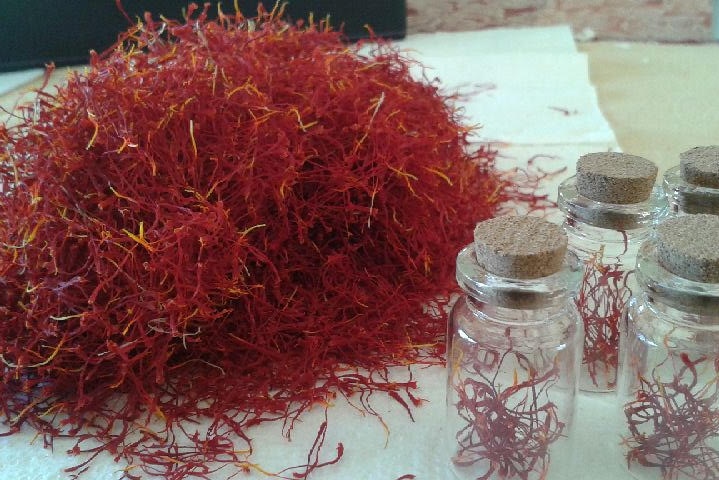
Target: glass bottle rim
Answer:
[[612, 216]]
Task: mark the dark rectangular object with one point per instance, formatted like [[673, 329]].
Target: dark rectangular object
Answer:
[[36, 32]]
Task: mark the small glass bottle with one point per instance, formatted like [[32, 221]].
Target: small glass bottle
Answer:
[[610, 207], [514, 347], [693, 185], [669, 377]]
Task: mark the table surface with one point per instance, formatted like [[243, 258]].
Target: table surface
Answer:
[[660, 99]]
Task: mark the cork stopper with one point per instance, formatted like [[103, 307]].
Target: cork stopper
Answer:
[[686, 246], [613, 177], [520, 247], [700, 166]]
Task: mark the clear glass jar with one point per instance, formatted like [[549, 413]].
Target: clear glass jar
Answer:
[[514, 348], [669, 377], [605, 237], [687, 198]]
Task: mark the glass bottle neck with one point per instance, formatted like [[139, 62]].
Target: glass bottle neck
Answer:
[[510, 316], [685, 197], [587, 240]]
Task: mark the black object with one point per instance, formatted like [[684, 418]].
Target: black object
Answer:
[[36, 32]]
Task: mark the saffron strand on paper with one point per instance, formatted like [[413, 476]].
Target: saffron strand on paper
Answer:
[[231, 220]]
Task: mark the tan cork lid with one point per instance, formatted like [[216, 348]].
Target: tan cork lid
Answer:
[[613, 177], [520, 247], [700, 166], [686, 246]]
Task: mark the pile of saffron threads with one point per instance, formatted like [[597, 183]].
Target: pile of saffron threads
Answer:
[[231, 219]]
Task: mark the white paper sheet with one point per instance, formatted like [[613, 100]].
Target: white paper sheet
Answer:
[[554, 39], [12, 80], [529, 70]]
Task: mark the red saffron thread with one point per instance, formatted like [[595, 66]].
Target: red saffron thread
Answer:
[[674, 425], [506, 429], [600, 301], [233, 220], [564, 111]]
